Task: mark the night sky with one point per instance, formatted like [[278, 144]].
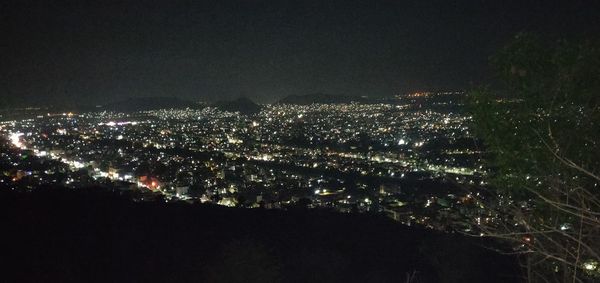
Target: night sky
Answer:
[[98, 51]]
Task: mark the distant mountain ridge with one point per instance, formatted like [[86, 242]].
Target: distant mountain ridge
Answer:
[[320, 98], [242, 104], [148, 103]]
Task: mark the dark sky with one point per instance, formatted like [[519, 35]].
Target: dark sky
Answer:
[[95, 51]]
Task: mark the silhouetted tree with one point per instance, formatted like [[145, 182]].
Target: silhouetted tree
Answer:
[[542, 130]]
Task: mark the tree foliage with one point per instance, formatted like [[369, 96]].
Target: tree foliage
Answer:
[[543, 134]]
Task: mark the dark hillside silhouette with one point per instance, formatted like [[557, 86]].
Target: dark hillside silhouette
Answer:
[[92, 235]]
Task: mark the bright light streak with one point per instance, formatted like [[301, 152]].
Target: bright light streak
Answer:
[[78, 165], [15, 139], [590, 265]]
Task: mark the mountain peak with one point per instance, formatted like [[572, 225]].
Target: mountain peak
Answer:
[[242, 104]]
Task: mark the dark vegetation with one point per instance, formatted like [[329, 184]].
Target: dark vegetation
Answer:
[[94, 235], [540, 127]]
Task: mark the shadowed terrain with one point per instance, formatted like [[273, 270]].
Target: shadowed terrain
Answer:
[[92, 235]]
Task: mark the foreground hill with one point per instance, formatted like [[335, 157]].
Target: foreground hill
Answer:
[[56, 235]]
